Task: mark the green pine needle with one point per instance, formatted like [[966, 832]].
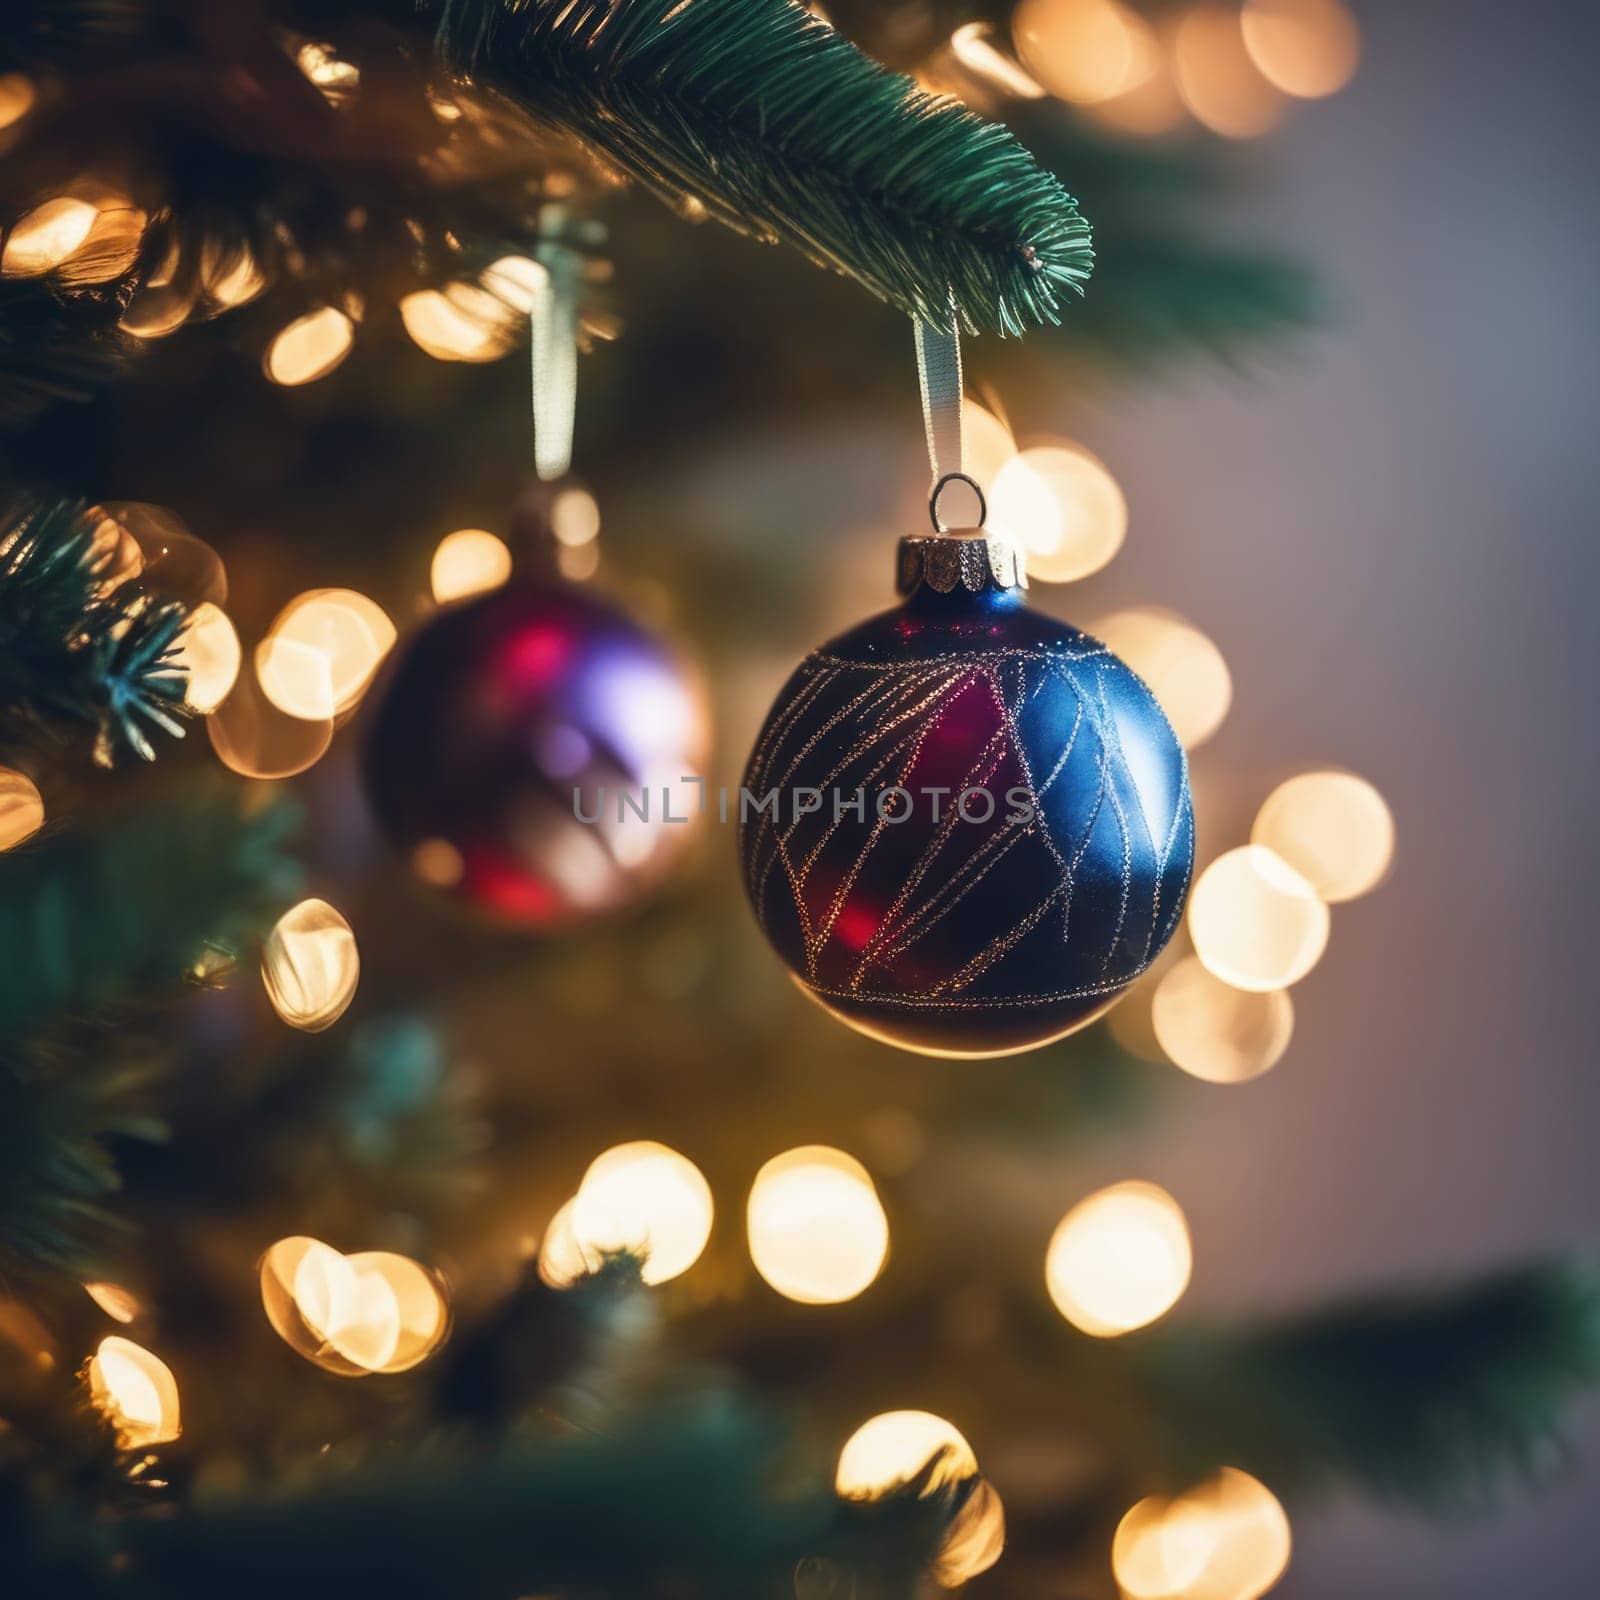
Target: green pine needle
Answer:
[[1432, 1400], [782, 129], [72, 651]]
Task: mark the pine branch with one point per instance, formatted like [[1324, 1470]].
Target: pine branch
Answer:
[[1433, 1400], [88, 918], [74, 652], [780, 128]]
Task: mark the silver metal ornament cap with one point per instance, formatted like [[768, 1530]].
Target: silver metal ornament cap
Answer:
[[969, 558]]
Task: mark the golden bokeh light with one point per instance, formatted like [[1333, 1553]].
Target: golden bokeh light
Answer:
[[890, 1449], [17, 96], [152, 541], [209, 654], [438, 862], [1226, 1539], [296, 677], [135, 1392], [1307, 48], [1333, 828], [1183, 669], [46, 236], [517, 280], [112, 247], [21, 808], [972, 44], [817, 1230], [155, 312], [578, 563], [460, 322], [1084, 50], [575, 517], [229, 277], [1119, 1259], [563, 1258], [986, 444], [252, 737], [1149, 108], [120, 1304], [310, 347], [310, 966], [322, 651], [1216, 1032], [974, 1540], [468, 561], [647, 1199], [323, 65], [1219, 82], [1255, 922], [1065, 509], [355, 1315]]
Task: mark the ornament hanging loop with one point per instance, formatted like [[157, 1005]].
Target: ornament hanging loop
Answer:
[[939, 524], [939, 377]]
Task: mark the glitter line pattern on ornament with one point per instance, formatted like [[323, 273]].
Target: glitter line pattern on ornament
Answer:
[[976, 713]]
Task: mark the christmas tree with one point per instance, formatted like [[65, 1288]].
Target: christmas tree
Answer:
[[478, 1209]]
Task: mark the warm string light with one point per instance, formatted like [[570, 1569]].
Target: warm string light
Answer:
[[17, 96], [46, 236], [1219, 83], [310, 966], [1217, 1032], [355, 1315], [135, 1392], [467, 562], [1185, 671], [120, 1304], [252, 737], [1333, 828], [563, 1258], [322, 651], [889, 1450], [21, 808], [1306, 48], [152, 543], [1255, 922], [817, 1230], [461, 322], [1084, 50], [517, 280], [1066, 509], [972, 45], [209, 655], [648, 1200], [1226, 1539], [310, 347], [1119, 1259]]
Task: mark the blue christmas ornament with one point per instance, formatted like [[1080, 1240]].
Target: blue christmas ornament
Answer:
[[966, 827]]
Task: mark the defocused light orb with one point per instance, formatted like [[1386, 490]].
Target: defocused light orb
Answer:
[[135, 1392], [252, 737], [1333, 828], [972, 45], [578, 563], [575, 517], [1183, 669], [1226, 1539], [46, 236], [1119, 1259], [21, 808], [1149, 108], [1219, 82], [118, 1303], [1064, 507], [310, 347], [438, 862], [468, 561], [1307, 48], [461, 322], [154, 312], [1255, 922], [563, 1257], [297, 678], [372, 1312], [322, 64], [974, 1540], [310, 966], [172, 561], [348, 632], [644, 1198], [817, 1230], [986, 444], [1216, 1032], [112, 247], [890, 1449], [517, 280], [17, 96], [1083, 50], [230, 277], [208, 652]]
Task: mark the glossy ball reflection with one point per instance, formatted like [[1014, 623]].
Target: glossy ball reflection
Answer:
[[519, 751]]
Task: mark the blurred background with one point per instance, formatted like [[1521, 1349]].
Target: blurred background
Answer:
[[1340, 381]]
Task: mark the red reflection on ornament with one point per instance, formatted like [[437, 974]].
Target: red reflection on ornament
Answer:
[[536, 656], [504, 887], [857, 923]]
